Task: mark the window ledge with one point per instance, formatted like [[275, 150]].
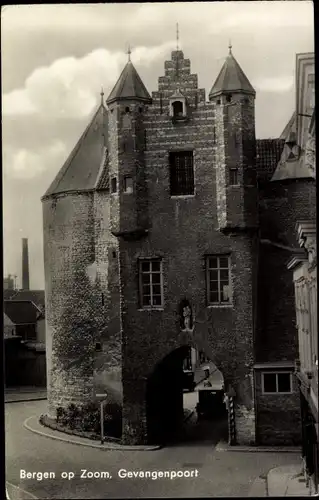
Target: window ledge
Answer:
[[174, 196], [222, 306], [276, 393], [149, 309]]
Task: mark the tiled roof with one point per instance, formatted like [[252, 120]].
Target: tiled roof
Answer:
[[80, 171], [290, 127], [8, 293], [231, 79], [268, 153], [129, 86], [291, 165], [21, 311], [35, 296], [103, 177]]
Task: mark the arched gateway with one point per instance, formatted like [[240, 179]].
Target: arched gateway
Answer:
[[151, 243]]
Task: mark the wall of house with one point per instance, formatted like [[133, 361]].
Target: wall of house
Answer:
[[281, 205], [278, 415], [8, 326], [40, 328]]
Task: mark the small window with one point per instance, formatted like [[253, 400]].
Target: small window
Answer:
[[276, 383], [178, 109], [128, 185], [113, 185], [218, 101], [127, 109], [151, 283], [98, 346], [218, 280], [233, 176], [114, 254], [181, 173], [140, 110], [228, 98], [214, 134]]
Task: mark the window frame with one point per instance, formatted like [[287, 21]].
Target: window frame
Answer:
[[125, 191], [114, 178], [231, 172], [218, 268], [140, 283], [276, 373], [172, 164]]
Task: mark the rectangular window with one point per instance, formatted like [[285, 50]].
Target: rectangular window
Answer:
[[218, 279], [181, 173], [276, 383], [233, 176], [113, 185], [151, 283], [128, 185]]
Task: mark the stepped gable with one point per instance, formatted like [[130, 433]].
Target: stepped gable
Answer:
[[81, 169]]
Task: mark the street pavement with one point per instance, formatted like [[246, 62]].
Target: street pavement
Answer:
[[212, 473]]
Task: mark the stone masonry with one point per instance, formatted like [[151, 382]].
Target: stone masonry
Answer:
[[100, 338]]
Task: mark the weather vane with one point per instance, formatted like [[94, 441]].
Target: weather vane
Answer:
[[102, 95], [177, 37], [129, 52], [230, 46]]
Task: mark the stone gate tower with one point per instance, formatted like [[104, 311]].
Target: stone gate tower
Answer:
[[156, 213]]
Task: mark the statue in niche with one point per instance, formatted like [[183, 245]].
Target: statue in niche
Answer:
[[186, 316]]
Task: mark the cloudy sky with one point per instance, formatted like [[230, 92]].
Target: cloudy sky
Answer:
[[55, 58]]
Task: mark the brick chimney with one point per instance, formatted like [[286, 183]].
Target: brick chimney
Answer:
[[25, 265]]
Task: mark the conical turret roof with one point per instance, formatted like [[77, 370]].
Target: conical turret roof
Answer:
[[129, 86], [82, 168], [231, 79]]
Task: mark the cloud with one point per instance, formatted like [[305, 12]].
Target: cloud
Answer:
[[25, 164], [276, 84], [70, 86]]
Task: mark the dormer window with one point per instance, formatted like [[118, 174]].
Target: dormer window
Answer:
[[177, 106], [178, 110]]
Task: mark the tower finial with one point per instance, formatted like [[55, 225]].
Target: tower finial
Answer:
[[230, 46], [102, 95], [177, 37], [129, 52]]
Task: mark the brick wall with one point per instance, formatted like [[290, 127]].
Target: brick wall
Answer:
[[278, 416], [183, 231], [281, 205]]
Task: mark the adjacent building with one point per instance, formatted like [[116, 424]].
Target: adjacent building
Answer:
[[169, 227], [304, 268]]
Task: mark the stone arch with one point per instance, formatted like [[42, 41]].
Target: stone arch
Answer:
[[164, 395]]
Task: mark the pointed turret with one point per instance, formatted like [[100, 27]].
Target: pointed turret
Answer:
[[231, 79], [234, 103], [129, 86]]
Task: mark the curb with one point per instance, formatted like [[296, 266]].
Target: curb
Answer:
[[222, 446], [106, 446], [24, 400]]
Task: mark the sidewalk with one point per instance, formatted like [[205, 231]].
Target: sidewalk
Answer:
[[224, 446], [27, 393], [287, 480], [32, 424]]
